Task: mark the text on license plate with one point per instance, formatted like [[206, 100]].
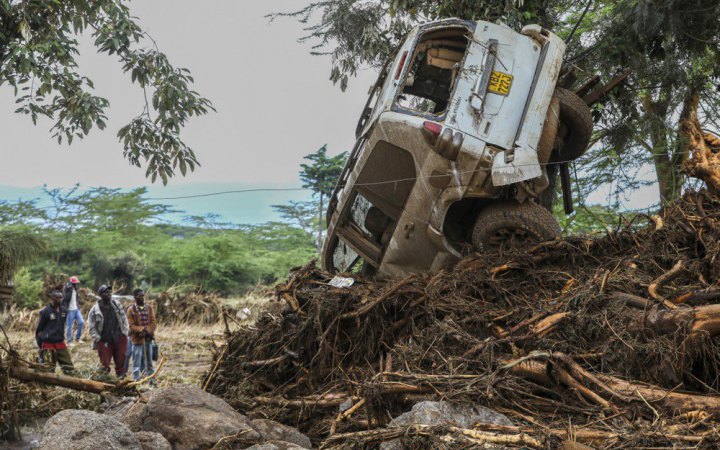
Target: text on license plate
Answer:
[[500, 83]]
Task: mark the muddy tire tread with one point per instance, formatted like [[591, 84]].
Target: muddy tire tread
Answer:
[[576, 115], [527, 216]]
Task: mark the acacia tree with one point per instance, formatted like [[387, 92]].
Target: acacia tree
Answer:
[[38, 49], [671, 47], [320, 175]]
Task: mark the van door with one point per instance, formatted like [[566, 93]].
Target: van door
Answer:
[[494, 86]]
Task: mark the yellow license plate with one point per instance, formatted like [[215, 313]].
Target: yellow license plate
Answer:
[[500, 83]]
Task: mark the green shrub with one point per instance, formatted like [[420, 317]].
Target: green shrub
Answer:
[[28, 290]]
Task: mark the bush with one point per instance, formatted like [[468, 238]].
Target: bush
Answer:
[[28, 290]]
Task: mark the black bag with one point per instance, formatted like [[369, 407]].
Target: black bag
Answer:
[[155, 350]]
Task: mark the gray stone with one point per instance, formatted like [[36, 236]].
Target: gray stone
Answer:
[[444, 413], [274, 431], [276, 445], [87, 430], [153, 441], [189, 418]]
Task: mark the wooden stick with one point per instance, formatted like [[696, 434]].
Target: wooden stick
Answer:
[[548, 324], [304, 402], [214, 369], [78, 384], [658, 282], [670, 401], [369, 307]]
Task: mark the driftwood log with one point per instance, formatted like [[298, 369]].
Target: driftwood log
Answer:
[[27, 374]]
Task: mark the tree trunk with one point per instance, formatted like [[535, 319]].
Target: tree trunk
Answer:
[[701, 149], [668, 173], [79, 384], [321, 213]]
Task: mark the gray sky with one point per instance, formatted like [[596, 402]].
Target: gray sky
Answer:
[[274, 101]]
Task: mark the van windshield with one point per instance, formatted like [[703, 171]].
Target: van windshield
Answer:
[[433, 71]]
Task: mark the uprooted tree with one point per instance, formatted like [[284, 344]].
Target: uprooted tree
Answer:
[[611, 342], [38, 49]]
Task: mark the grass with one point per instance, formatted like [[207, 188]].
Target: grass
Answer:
[[186, 348]]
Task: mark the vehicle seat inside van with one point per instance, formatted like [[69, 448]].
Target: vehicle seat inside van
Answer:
[[379, 225]]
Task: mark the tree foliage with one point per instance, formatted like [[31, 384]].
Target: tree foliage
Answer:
[[38, 50], [320, 176], [105, 235], [18, 246]]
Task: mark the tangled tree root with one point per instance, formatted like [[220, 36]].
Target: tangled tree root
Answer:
[[609, 342]]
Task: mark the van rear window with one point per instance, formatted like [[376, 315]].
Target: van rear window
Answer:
[[433, 71]]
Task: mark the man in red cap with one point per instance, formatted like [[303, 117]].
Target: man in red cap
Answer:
[[71, 302]]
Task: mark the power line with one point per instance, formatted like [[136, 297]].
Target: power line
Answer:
[[238, 191]]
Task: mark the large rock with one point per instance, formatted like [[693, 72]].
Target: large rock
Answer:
[[189, 418], [87, 430], [276, 445], [274, 431], [444, 413], [153, 441]]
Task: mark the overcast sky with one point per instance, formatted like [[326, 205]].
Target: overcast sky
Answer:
[[274, 101]]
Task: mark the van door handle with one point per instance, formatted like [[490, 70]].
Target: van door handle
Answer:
[[477, 98]]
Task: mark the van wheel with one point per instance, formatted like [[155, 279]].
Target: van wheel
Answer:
[[512, 225], [577, 120]]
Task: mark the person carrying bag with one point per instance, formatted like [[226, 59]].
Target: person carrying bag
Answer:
[[143, 325]]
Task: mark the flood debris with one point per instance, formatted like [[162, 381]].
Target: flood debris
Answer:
[[608, 342]]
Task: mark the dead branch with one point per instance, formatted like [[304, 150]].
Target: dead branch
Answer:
[[78, 384]]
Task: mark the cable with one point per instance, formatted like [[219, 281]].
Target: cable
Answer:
[[572, 33], [239, 191]]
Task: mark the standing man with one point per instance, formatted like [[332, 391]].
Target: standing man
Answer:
[[108, 327], [50, 334], [71, 302], [142, 330]]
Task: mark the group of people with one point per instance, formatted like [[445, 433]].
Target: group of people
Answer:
[[118, 334]]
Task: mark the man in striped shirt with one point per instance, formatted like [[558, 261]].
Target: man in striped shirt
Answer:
[[142, 331]]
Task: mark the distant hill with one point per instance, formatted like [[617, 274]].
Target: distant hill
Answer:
[[240, 208]]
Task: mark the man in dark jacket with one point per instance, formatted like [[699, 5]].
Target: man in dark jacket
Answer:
[[50, 333]]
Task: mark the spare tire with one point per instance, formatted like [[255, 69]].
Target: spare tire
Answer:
[[577, 119], [512, 225]]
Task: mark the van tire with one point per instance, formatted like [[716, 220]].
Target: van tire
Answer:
[[508, 225], [576, 116]]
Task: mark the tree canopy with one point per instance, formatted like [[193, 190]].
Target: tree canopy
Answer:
[[38, 50]]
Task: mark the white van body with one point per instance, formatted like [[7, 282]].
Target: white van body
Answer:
[[462, 113]]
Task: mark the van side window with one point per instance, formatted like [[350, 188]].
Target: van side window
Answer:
[[345, 259]]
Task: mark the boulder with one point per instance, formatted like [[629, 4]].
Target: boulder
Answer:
[[444, 413], [276, 445], [274, 431], [153, 441], [87, 430], [189, 418]]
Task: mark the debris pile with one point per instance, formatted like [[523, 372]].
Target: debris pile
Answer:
[[190, 307], [610, 342]]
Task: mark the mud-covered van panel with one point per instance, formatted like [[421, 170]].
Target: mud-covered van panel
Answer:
[[448, 155]]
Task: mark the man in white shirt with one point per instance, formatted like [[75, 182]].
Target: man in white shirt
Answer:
[[71, 301]]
